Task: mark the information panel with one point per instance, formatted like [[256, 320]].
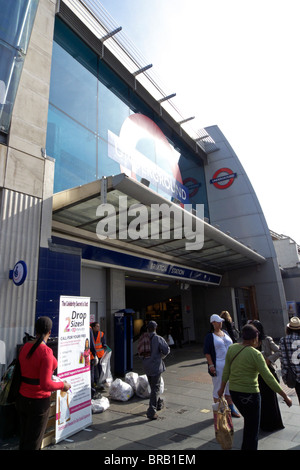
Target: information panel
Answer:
[[73, 408]]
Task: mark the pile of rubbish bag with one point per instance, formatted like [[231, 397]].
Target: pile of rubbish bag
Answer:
[[121, 390]]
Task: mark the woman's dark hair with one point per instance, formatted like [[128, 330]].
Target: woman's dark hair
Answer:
[[249, 332], [260, 329], [42, 327], [290, 331]]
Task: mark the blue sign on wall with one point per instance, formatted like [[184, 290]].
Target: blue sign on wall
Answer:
[[19, 273], [126, 260]]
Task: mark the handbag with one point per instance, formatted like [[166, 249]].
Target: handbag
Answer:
[[223, 425], [291, 377], [170, 340], [11, 383]]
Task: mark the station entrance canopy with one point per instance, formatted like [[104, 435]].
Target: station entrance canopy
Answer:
[[75, 216]]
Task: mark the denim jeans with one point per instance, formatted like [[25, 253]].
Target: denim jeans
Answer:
[[249, 405]]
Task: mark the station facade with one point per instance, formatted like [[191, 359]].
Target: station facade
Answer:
[[105, 192]]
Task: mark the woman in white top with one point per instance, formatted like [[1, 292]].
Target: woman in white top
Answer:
[[216, 345]]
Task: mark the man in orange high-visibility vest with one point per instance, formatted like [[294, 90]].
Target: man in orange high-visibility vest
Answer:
[[100, 345]]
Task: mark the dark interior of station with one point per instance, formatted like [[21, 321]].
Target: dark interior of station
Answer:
[[158, 300]]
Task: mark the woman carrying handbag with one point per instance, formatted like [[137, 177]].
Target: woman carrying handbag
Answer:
[[243, 364]]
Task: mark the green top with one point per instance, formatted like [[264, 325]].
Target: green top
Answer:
[[243, 373]]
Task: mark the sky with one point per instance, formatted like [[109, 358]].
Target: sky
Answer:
[[234, 64]]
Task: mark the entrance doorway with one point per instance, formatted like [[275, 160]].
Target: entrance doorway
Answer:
[[167, 315], [245, 301], [158, 300]]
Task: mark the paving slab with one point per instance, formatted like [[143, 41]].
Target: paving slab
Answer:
[[184, 425]]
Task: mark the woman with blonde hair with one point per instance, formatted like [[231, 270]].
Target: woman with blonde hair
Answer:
[[228, 325]]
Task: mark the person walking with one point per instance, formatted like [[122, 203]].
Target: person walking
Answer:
[[290, 351], [154, 366], [216, 344], [270, 415], [242, 365], [228, 325], [37, 364]]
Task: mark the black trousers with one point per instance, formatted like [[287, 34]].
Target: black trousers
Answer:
[[297, 388], [33, 413], [249, 405], [154, 382]]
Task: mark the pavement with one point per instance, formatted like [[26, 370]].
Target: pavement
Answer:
[[185, 424]]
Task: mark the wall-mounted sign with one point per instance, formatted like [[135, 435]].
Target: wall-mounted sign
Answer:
[[193, 185], [19, 273], [135, 263], [223, 178]]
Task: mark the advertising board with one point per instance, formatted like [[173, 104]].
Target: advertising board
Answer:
[[73, 408]]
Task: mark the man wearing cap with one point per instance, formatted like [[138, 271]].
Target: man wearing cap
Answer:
[[154, 366], [292, 351]]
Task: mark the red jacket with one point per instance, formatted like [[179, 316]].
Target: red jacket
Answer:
[[40, 365]]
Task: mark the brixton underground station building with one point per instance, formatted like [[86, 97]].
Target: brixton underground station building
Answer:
[[105, 189]]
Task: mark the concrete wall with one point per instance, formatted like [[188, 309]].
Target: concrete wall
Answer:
[[291, 282], [287, 252], [115, 299], [236, 209], [26, 178], [93, 285]]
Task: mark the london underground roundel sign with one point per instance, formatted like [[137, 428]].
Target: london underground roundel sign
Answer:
[[19, 273], [223, 178]]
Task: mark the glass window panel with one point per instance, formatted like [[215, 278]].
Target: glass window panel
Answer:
[[73, 78], [74, 150], [11, 63], [16, 20], [112, 112], [194, 180], [106, 166], [101, 102]]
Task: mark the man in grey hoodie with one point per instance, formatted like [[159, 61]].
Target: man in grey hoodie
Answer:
[[154, 366]]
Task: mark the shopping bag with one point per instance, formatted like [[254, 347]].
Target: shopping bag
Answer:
[[290, 379], [170, 340], [223, 425]]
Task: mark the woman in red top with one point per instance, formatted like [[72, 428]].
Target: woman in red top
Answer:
[[37, 366]]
